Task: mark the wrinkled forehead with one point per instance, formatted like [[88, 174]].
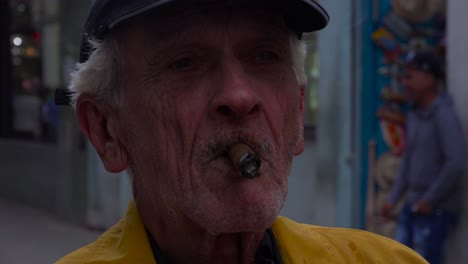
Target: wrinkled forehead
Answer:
[[184, 16]]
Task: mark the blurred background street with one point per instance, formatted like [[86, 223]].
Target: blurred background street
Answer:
[[30, 235]]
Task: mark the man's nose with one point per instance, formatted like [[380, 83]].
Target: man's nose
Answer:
[[236, 96]]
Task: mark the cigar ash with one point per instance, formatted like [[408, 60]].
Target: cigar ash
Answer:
[[245, 160], [249, 166]]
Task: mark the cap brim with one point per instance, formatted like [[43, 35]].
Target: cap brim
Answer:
[[305, 16], [301, 15]]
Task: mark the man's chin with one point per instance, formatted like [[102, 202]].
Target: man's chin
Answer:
[[241, 217], [245, 206], [242, 223]]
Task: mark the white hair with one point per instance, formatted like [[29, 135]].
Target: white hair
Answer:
[[298, 53], [99, 75]]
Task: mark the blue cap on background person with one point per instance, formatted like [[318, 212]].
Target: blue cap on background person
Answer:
[[424, 61]]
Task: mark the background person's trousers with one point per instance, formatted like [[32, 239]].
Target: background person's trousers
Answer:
[[426, 234]]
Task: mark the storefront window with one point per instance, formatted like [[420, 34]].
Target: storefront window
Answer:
[[34, 116]]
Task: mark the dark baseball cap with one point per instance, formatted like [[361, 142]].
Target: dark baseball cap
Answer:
[[300, 15], [424, 61]]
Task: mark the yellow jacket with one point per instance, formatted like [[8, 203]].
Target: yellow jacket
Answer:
[[127, 243]]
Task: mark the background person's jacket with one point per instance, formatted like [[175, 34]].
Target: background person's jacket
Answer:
[[127, 242], [433, 161]]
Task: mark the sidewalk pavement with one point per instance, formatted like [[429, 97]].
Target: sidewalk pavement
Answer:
[[29, 235]]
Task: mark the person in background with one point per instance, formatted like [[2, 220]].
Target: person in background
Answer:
[[203, 103], [433, 162]]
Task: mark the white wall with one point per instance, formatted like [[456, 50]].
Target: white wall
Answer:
[[337, 114], [457, 76], [323, 183], [307, 201]]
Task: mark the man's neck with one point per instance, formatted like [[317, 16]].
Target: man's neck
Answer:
[[224, 248], [184, 242]]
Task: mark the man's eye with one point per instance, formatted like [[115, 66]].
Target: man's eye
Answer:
[[182, 64], [267, 56]]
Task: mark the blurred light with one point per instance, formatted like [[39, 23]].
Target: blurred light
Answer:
[[17, 41], [17, 61], [21, 8], [36, 36], [27, 85], [31, 52], [15, 51]]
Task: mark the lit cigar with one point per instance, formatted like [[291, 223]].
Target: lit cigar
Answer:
[[245, 159]]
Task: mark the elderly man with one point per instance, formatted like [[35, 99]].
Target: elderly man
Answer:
[[179, 93]]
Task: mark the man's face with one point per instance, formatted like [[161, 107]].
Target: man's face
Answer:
[[196, 84], [416, 83]]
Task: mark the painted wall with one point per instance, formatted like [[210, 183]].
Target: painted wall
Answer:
[[457, 65]]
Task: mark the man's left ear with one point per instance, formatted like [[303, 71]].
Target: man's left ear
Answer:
[[300, 140], [99, 127]]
